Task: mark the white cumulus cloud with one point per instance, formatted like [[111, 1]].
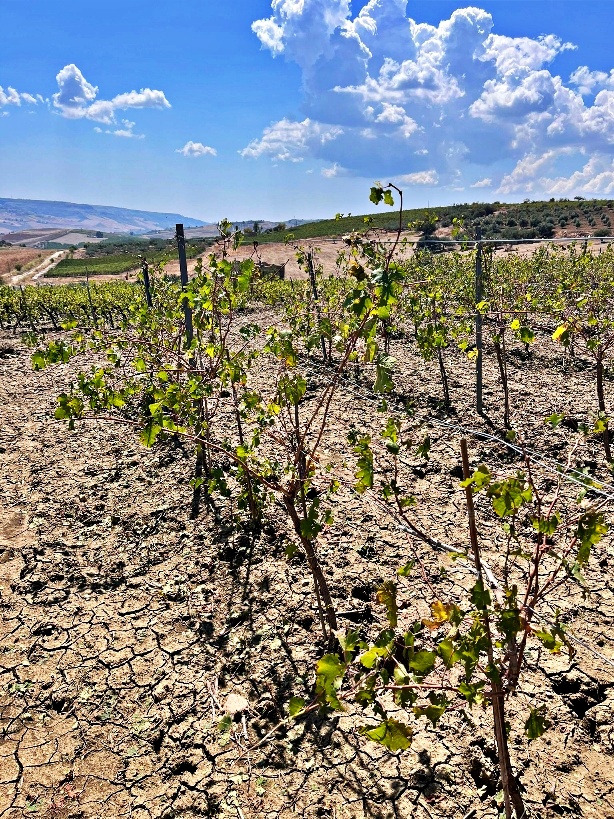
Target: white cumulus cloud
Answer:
[[126, 130], [526, 172], [419, 178], [76, 98], [290, 141], [385, 94], [194, 149], [145, 98], [586, 80], [333, 171], [10, 96], [595, 178], [75, 92], [301, 28]]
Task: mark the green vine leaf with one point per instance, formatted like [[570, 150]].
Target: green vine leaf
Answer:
[[296, 706], [480, 478], [537, 724], [149, 434], [394, 735], [433, 712], [548, 640], [376, 195], [383, 375], [472, 692], [480, 597], [364, 473], [329, 676], [423, 662], [591, 528], [424, 448]]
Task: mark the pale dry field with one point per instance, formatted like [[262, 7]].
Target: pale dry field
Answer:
[[10, 257]]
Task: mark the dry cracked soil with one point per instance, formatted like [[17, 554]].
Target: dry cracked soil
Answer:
[[143, 672]]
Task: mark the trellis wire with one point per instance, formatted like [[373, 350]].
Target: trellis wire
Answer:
[[548, 464]]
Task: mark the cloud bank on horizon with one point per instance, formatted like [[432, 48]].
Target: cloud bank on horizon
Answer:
[[385, 95]]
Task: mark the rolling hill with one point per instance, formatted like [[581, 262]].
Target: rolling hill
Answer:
[[34, 214], [526, 220]]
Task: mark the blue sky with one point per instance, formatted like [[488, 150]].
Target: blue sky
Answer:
[[292, 108]]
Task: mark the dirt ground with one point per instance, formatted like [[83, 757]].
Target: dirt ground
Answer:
[[126, 636]]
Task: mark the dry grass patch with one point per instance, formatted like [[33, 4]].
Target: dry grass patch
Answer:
[[18, 259]]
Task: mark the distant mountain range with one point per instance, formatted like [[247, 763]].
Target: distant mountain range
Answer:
[[18, 215], [34, 214]]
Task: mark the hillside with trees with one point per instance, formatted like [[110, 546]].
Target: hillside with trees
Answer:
[[572, 218]]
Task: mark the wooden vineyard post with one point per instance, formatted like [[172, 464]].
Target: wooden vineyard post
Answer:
[[478, 323], [201, 464], [314, 290], [146, 283], [183, 269]]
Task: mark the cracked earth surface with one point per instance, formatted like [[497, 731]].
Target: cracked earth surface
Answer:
[[125, 640]]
